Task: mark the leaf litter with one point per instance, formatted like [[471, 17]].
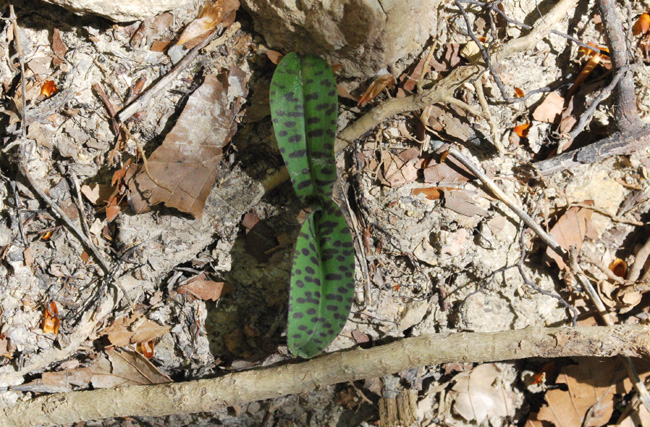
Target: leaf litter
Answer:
[[398, 290]]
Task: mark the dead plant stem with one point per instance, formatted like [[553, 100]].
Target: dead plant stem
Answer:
[[209, 395], [21, 59]]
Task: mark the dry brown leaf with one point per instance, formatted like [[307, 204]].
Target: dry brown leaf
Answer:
[[642, 25], [249, 220], [125, 367], [444, 174], [432, 193], [462, 202], [380, 83], [550, 109], [591, 386], [408, 81], [97, 193], [478, 395], [443, 120], [187, 161], [133, 330], [58, 47], [274, 56], [360, 337], [205, 289], [343, 92], [215, 12], [570, 231], [398, 172], [522, 130], [159, 46]]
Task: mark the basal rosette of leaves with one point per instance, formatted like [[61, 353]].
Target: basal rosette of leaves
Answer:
[[304, 111]]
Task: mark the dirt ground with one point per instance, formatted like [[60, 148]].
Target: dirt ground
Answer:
[[436, 253]]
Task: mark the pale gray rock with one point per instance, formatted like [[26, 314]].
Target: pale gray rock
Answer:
[[121, 10], [362, 35]]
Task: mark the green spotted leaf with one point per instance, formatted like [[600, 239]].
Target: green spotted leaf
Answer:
[[304, 111], [322, 281]]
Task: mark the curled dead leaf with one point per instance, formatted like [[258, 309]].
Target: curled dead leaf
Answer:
[[214, 12], [522, 130], [49, 88], [51, 321], [382, 82], [642, 25], [618, 267]]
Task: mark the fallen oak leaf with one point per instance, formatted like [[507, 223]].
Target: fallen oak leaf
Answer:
[[187, 161]]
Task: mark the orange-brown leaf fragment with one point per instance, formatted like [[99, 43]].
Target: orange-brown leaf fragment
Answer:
[[432, 193], [51, 321], [188, 159], [642, 25], [215, 12], [375, 88], [205, 289], [569, 232], [49, 88], [519, 93], [618, 267], [274, 56], [522, 130]]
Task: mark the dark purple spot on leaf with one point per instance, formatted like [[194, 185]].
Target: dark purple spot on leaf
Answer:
[[297, 154]]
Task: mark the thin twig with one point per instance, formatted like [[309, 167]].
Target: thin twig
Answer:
[[570, 261], [607, 214], [21, 58], [144, 158], [639, 262], [627, 115], [165, 82], [478, 85], [80, 203], [58, 212], [589, 112], [484, 53]]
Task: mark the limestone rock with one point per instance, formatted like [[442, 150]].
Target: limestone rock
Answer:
[[362, 35], [121, 10]]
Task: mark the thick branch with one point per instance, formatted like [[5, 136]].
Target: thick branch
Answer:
[[627, 116], [238, 388], [620, 143]]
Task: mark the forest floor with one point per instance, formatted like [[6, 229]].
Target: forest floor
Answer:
[[206, 269]]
